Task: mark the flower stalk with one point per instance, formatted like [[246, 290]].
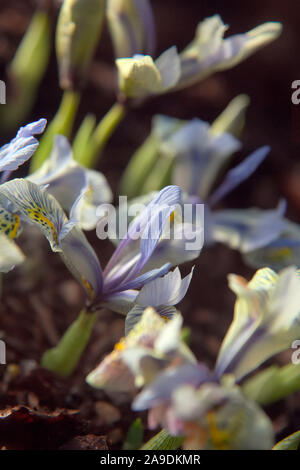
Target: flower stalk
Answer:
[[63, 358], [101, 135], [62, 123], [139, 167]]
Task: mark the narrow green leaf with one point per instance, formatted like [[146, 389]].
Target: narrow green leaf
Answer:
[[289, 443], [139, 167], [232, 119], [163, 441], [160, 175], [186, 335], [257, 388], [62, 123], [102, 133], [273, 384], [65, 356], [27, 69], [82, 138], [134, 438]]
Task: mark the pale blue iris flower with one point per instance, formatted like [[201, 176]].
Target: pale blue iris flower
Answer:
[[264, 237], [248, 229], [127, 270], [178, 391], [209, 52], [183, 396], [13, 155], [281, 252], [266, 321], [65, 179], [132, 266], [61, 175], [210, 416], [22, 147], [199, 154], [183, 240]]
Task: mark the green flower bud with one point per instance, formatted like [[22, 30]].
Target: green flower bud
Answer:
[[132, 27], [78, 31]]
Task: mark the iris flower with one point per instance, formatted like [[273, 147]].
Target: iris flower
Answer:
[[266, 320], [13, 155], [10, 254], [65, 179], [127, 270], [208, 53], [208, 407], [264, 237], [21, 148], [210, 416], [280, 252], [182, 396], [199, 153], [151, 345]]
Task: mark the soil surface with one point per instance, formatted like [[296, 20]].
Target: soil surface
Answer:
[[40, 299]]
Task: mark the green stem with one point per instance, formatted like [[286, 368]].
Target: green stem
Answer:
[[65, 356], [102, 133], [62, 123], [160, 175]]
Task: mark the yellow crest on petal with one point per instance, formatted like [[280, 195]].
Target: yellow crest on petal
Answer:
[[10, 224]]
